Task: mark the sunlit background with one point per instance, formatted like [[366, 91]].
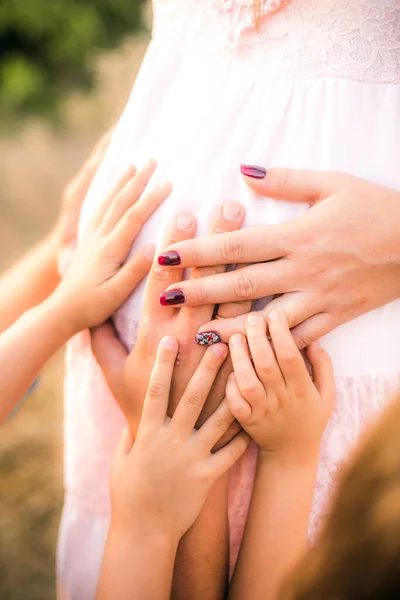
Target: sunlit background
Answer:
[[66, 69]]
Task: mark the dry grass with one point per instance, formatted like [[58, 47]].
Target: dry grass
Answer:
[[34, 167]]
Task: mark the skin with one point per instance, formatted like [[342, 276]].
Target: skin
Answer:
[[201, 566], [285, 413], [338, 261], [36, 275], [160, 483], [95, 284]]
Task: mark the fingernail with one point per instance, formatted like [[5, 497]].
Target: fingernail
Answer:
[[253, 171], [232, 377], [149, 252], [184, 222], [172, 297], [169, 259], [168, 343], [253, 320], [231, 211], [207, 338], [274, 315], [236, 341], [219, 350], [317, 345]]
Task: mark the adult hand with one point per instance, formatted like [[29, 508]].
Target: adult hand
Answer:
[[339, 260], [128, 375]]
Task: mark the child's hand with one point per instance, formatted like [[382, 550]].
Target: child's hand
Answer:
[[276, 401], [97, 281], [66, 229], [163, 480]]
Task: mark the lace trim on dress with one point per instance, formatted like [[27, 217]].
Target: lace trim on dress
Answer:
[[308, 38]]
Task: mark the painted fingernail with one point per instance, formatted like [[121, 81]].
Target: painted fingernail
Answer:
[[172, 297], [169, 259], [231, 211], [236, 341], [274, 315], [253, 171], [184, 222], [253, 320], [207, 338]]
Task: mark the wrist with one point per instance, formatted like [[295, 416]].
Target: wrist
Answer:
[[59, 316], [142, 529], [288, 460]]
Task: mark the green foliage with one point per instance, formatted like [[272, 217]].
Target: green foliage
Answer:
[[47, 48]]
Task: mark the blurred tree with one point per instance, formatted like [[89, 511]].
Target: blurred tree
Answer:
[[47, 48]]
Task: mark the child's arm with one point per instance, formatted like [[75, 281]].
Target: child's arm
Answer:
[[159, 485], [278, 404], [36, 275], [96, 283]]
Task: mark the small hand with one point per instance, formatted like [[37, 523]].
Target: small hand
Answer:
[[98, 280], [338, 261], [275, 400], [127, 374], [164, 477], [66, 229]]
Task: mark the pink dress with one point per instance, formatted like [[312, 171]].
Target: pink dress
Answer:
[[316, 86]]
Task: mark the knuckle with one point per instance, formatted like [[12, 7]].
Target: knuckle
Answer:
[[156, 389], [231, 250], [159, 274], [303, 340], [205, 272], [244, 286], [202, 295], [192, 398], [249, 388], [283, 177], [222, 424], [288, 357]]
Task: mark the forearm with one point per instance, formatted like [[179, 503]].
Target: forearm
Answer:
[[25, 348], [29, 282], [276, 528], [202, 563], [137, 564]]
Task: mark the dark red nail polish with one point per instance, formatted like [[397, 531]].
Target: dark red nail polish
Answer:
[[253, 171], [207, 338], [172, 297], [169, 259]]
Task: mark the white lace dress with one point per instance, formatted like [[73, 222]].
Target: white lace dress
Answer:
[[316, 86]]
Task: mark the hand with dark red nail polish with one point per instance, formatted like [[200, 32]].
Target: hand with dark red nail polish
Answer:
[[172, 298], [169, 259], [253, 171]]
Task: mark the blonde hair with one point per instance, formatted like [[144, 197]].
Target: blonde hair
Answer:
[[358, 555]]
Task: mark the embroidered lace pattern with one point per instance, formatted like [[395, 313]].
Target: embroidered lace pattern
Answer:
[[357, 40]]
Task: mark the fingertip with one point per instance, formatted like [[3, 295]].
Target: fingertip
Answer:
[[169, 343], [220, 350], [233, 211], [126, 442]]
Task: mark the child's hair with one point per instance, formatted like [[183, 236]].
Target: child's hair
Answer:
[[358, 554]]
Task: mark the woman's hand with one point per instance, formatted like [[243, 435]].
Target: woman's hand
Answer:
[[98, 280], [127, 375], [276, 401], [339, 260], [164, 479]]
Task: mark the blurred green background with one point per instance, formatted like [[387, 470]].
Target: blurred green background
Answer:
[[66, 69]]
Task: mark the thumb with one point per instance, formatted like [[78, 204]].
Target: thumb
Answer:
[[291, 184], [110, 355]]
